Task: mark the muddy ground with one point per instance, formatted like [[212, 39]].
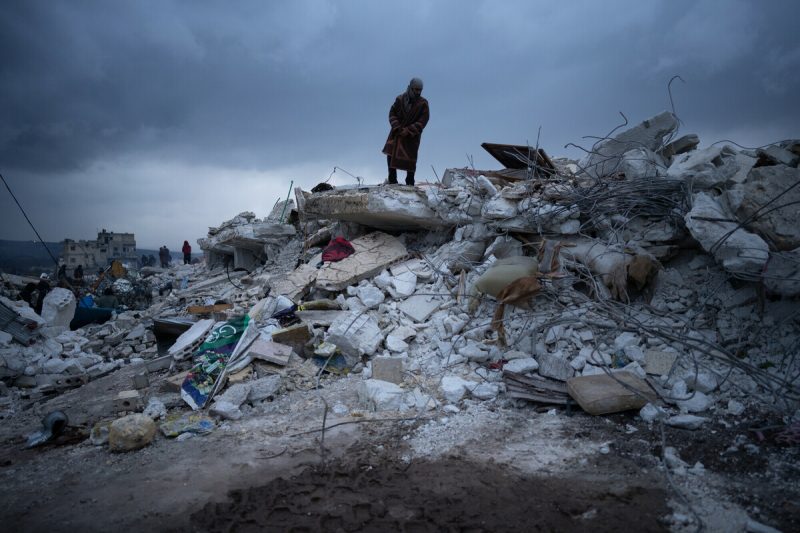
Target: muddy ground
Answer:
[[492, 466]]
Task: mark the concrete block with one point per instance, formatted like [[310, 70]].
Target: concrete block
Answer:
[[388, 369], [128, 400]]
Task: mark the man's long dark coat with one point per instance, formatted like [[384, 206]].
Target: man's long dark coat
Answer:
[[402, 150]]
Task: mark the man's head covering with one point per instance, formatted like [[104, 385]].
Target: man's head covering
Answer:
[[415, 83], [45, 276]]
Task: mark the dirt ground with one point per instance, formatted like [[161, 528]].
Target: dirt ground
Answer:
[[491, 466]]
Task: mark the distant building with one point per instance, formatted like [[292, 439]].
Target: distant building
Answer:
[[99, 253]]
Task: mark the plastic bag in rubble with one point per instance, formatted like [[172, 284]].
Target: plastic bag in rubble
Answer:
[[210, 360], [179, 423], [504, 271], [122, 286]]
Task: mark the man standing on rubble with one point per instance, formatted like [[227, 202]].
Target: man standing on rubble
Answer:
[[187, 253], [408, 116]]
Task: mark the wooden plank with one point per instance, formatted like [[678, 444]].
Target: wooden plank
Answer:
[[200, 309]]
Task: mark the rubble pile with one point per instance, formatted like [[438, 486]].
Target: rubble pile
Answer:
[[649, 275]]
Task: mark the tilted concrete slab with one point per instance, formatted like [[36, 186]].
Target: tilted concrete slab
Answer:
[[296, 284], [397, 207], [374, 252]]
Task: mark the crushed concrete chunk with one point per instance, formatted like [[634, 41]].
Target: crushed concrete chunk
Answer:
[[355, 334], [379, 395], [296, 284], [420, 307], [739, 251], [649, 134], [455, 388]]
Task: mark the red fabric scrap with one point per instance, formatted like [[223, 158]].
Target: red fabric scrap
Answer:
[[337, 249]]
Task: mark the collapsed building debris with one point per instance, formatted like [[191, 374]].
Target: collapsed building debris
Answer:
[[631, 280]]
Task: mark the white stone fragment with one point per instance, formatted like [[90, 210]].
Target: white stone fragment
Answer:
[[378, 395], [473, 352], [686, 421], [370, 296], [404, 283], [634, 352], [626, 338], [263, 388], [522, 366], [454, 388], [697, 403], [735, 408], [650, 413], [485, 391], [396, 344]]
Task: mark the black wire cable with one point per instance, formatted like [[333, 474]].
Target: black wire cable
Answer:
[[29, 221]]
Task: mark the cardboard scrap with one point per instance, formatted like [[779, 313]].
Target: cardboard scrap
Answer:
[[602, 394]]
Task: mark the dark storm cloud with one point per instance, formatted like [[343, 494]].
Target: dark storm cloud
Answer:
[[149, 100]]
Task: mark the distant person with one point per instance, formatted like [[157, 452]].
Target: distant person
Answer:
[[26, 294], [151, 260], [408, 116], [107, 300], [163, 255], [187, 253], [62, 272], [78, 275], [43, 288]]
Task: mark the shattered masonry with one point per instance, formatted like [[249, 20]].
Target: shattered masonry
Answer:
[[655, 273]]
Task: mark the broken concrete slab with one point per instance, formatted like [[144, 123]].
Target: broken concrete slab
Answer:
[[607, 153], [355, 334], [681, 145], [779, 223], [269, 351], [776, 155], [739, 251], [641, 163], [374, 252], [293, 336], [603, 394], [420, 306], [387, 208], [319, 318], [191, 339], [296, 284], [704, 169]]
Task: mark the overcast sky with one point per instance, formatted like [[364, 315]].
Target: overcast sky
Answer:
[[165, 117]]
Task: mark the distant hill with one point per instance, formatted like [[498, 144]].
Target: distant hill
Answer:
[[27, 257], [31, 258]]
